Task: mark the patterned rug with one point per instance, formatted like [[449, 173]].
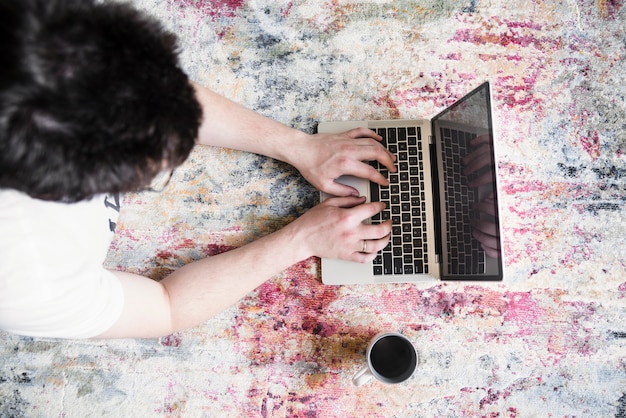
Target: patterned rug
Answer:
[[549, 341]]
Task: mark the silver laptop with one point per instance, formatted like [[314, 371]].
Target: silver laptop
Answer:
[[432, 200]]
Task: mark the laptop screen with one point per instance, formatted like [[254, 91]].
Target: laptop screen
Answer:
[[466, 194]]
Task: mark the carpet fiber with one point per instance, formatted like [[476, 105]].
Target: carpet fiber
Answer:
[[550, 340]]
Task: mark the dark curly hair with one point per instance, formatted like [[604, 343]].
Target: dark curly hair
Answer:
[[92, 99]]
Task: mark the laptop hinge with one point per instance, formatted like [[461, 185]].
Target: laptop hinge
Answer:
[[434, 172]]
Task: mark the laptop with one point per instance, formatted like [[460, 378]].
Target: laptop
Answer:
[[432, 201]]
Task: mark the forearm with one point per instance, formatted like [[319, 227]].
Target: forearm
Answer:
[[198, 291], [320, 158], [206, 287], [230, 125]]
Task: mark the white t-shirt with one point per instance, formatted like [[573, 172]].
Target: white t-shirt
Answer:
[[52, 281]]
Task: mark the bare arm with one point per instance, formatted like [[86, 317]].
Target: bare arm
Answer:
[[320, 158], [201, 289]]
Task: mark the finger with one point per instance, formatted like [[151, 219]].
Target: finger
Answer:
[[345, 202], [359, 210], [365, 171], [374, 232], [373, 246], [363, 133], [367, 210], [373, 151], [362, 257], [389, 162], [368, 172], [379, 244], [338, 189], [387, 159]]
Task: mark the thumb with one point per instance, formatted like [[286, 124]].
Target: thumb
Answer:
[[338, 189], [345, 202]]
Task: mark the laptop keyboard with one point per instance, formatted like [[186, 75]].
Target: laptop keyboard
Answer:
[[465, 254], [407, 252]]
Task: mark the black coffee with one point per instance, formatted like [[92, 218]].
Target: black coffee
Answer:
[[393, 358]]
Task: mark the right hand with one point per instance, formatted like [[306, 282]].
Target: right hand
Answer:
[[336, 229]]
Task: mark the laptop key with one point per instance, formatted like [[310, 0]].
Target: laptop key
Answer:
[[391, 136], [402, 135], [398, 268], [383, 132], [374, 192], [387, 263]]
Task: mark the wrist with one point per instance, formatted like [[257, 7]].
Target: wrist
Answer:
[[298, 238], [291, 150]]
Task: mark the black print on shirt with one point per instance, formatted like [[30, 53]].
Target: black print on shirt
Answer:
[[112, 202]]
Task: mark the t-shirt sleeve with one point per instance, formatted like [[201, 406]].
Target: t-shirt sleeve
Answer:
[[52, 279], [81, 306]]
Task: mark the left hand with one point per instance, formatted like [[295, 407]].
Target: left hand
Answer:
[[326, 157], [320, 158]]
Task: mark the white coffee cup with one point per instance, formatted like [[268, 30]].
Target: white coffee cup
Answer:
[[391, 358]]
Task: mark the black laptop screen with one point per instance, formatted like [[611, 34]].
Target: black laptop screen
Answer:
[[466, 190]]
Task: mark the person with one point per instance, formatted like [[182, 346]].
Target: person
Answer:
[[94, 103]]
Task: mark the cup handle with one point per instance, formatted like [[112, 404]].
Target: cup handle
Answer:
[[362, 376]]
